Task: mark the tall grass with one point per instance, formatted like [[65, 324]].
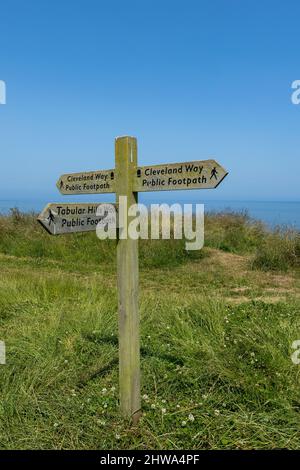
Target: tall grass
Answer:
[[279, 250], [216, 373], [21, 236], [234, 232]]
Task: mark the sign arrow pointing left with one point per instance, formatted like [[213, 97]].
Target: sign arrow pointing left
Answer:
[[58, 219]]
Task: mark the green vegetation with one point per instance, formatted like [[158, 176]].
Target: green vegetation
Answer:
[[216, 335], [278, 251]]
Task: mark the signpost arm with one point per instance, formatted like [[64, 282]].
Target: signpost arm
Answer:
[[127, 261]]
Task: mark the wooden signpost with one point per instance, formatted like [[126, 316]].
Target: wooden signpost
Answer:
[[127, 179], [92, 182], [58, 219], [205, 174]]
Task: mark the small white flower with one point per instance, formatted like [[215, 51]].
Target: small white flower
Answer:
[[163, 410], [118, 436], [105, 405], [183, 423], [113, 389], [145, 397], [101, 422], [191, 417], [66, 361], [153, 406], [177, 406], [55, 425], [164, 401], [217, 412], [252, 354], [104, 390]]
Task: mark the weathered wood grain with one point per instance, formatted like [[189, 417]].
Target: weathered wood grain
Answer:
[[92, 182], [203, 174], [60, 218], [127, 261]]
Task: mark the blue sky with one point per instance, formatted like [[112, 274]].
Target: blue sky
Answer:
[[190, 79]]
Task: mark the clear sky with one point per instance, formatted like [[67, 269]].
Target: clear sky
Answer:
[[190, 79]]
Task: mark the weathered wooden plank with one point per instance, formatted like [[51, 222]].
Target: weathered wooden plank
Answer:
[[92, 182], [127, 261], [203, 174], [59, 219], [200, 174]]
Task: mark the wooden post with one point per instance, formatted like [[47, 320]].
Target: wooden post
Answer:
[[127, 265]]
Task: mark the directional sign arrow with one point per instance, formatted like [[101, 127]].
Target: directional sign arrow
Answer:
[[58, 219], [200, 174], [203, 174], [92, 182]]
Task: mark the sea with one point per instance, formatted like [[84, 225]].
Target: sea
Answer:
[[272, 213]]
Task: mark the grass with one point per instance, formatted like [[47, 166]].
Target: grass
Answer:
[[216, 335], [279, 250]]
